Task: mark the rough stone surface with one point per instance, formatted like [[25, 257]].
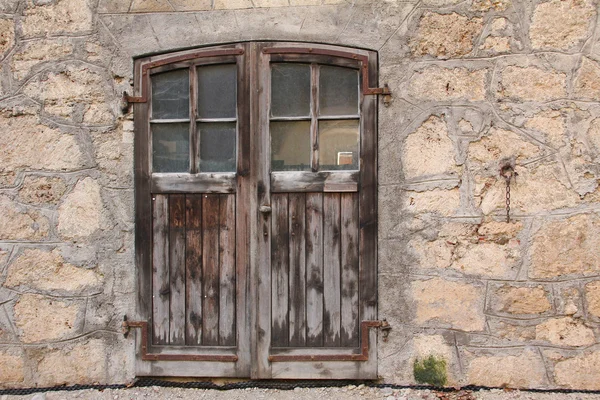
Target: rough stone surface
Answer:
[[561, 24], [42, 190], [48, 271], [57, 317], [501, 144], [520, 300], [565, 332], [38, 52], [12, 371], [443, 202], [445, 35], [567, 247], [440, 302], [496, 44], [587, 82], [80, 213], [20, 223], [487, 259], [592, 296], [531, 84], [150, 6], [524, 370], [54, 18], [551, 124], [7, 36], [486, 5], [442, 84], [580, 372]]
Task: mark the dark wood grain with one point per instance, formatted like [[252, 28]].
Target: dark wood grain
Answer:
[[297, 272], [227, 270], [210, 269], [325, 181], [280, 271], [349, 277], [331, 269], [314, 269], [177, 268], [161, 288], [193, 292]]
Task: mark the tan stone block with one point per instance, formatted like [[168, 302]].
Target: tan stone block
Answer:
[[305, 2], [428, 150], [531, 84], [98, 114], [37, 52], [42, 190], [43, 270], [511, 331], [443, 303], [21, 224], [271, 3], [441, 3], [552, 124], [435, 254], [191, 5], [80, 213], [62, 16], [113, 6], [499, 231], [561, 24], [11, 367], [82, 363], [7, 35], [565, 247], [443, 202], [30, 145], [501, 144], [441, 84], [520, 300], [525, 370], [445, 35], [150, 6], [496, 44], [565, 332], [485, 5], [41, 319], [587, 80], [232, 4], [592, 296], [114, 155], [580, 372], [487, 259]]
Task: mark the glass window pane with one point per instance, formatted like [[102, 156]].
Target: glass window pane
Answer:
[[170, 147], [217, 91], [338, 145], [217, 146], [338, 91], [171, 95], [290, 90], [290, 146]]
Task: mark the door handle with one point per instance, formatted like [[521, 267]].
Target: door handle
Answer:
[[266, 209]]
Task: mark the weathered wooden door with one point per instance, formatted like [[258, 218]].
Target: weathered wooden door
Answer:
[[256, 212]]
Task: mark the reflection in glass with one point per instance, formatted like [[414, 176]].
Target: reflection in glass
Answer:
[[290, 90], [171, 95], [217, 146], [290, 146], [338, 145], [338, 91], [170, 147], [217, 91]]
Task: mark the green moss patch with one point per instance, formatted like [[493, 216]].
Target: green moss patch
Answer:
[[431, 370]]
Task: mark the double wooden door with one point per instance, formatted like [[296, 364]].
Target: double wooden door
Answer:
[[256, 212]]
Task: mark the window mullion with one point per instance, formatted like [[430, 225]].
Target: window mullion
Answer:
[[314, 112], [194, 139]]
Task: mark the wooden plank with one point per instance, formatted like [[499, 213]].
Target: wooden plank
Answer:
[[350, 323], [193, 287], [177, 268], [160, 270], [314, 269], [194, 140], [220, 182], [279, 271], [331, 269], [306, 181], [227, 270], [210, 270], [297, 273]]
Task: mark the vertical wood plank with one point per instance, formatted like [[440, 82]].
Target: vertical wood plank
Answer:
[[227, 270], [177, 268], [331, 269], [210, 269], [314, 269], [297, 274], [160, 270], [280, 271], [193, 263], [349, 279]]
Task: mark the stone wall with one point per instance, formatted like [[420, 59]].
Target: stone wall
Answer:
[[476, 83]]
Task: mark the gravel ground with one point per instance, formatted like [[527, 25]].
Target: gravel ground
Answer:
[[329, 393]]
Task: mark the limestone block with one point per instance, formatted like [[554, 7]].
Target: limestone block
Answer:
[[593, 136], [513, 330], [580, 372], [436, 254], [36, 52], [531, 84], [81, 363], [61, 16], [113, 6], [80, 213], [485, 5], [445, 35], [525, 370], [499, 231], [561, 24], [114, 155], [232, 4], [520, 300], [271, 3], [442, 84], [29, 145], [488, 260], [151, 6], [441, 3], [19, 223], [592, 297], [569, 300], [7, 35], [443, 202], [565, 331], [12, 371], [41, 319], [43, 270], [501, 144], [496, 44], [42, 190], [191, 5], [550, 123], [565, 247], [428, 150], [587, 80], [307, 2], [443, 303]]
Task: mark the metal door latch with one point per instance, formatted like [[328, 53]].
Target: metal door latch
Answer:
[[385, 328]]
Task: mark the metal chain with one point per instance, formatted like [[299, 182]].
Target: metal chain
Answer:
[[508, 200]]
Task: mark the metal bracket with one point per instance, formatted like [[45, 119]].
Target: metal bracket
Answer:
[[385, 329]]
